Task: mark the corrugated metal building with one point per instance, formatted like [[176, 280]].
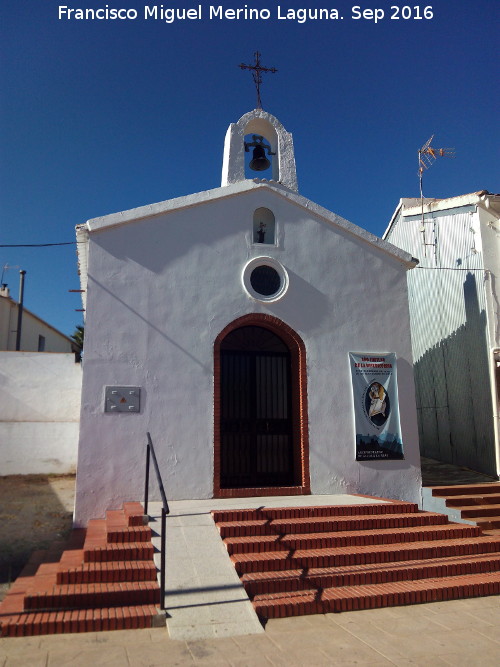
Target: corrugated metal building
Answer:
[[454, 311]]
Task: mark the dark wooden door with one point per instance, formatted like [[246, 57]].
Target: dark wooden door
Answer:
[[256, 424]]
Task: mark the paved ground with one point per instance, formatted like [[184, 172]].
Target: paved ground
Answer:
[[458, 633]]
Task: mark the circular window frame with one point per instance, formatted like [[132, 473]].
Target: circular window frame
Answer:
[[274, 264]]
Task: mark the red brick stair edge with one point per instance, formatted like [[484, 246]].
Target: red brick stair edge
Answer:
[[82, 620], [373, 597]]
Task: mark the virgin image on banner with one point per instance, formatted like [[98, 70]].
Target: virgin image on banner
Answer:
[[376, 406]]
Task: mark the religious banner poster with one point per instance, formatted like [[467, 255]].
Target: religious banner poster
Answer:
[[376, 406]]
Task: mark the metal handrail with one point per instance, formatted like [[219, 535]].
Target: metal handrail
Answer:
[[150, 453]]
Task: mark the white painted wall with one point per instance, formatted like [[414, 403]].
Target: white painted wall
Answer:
[[39, 412], [161, 289]]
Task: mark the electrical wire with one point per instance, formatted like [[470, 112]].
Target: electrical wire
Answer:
[[37, 245], [449, 268], [46, 245]]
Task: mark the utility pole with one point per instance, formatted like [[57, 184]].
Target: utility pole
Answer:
[[20, 310]]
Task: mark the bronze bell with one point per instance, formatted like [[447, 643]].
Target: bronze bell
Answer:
[[259, 162]]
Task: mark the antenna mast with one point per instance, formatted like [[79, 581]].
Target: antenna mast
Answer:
[[427, 155]]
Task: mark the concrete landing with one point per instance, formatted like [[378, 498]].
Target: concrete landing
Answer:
[[439, 473], [204, 596]]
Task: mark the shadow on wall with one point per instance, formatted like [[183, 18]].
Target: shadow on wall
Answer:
[[170, 236], [313, 305], [454, 409], [36, 512]]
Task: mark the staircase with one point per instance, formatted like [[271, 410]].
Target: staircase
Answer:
[[310, 560], [478, 503], [104, 580]]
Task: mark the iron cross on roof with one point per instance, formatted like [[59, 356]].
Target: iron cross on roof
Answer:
[[257, 70]]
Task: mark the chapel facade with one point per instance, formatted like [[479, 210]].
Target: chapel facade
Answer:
[[230, 324]]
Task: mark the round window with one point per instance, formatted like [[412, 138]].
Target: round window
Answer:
[[265, 279]]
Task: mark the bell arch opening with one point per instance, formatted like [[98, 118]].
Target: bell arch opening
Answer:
[[263, 124], [260, 410], [260, 159]]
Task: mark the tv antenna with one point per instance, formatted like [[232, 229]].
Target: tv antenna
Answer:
[[5, 268], [427, 155]]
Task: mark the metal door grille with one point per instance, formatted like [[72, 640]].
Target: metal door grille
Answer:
[[256, 424]]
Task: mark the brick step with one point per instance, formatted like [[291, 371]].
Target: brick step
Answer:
[[259, 583], [91, 596], [328, 524], [265, 543], [488, 522], [134, 512], [480, 510], [96, 535], [358, 555], [96, 527], [129, 534], [115, 529], [466, 489], [116, 519], [270, 513], [88, 573], [352, 598], [105, 579], [343, 558], [465, 501], [118, 552], [131, 514], [86, 620]]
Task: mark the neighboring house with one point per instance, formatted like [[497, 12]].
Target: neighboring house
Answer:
[[36, 334], [454, 311], [223, 322]]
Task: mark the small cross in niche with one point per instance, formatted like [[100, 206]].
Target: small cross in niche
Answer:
[[261, 233]]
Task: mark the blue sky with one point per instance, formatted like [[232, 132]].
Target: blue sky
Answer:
[[102, 116]]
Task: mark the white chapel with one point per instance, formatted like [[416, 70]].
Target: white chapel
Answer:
[[225, 324]]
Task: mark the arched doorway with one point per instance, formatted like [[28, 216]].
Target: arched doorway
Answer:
[[260, 408]]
